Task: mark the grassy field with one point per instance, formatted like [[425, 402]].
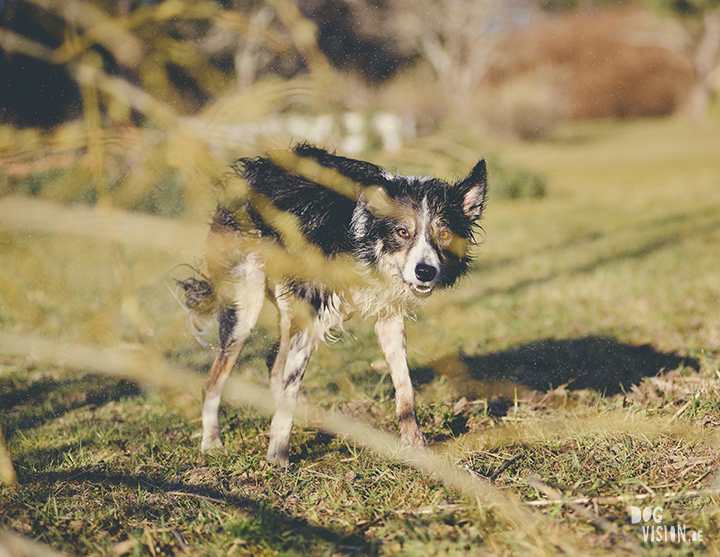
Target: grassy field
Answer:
[[575, 372]]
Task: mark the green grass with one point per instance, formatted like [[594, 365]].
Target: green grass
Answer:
[[581, 356]]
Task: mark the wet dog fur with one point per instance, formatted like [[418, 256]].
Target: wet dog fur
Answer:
[[401, 237]]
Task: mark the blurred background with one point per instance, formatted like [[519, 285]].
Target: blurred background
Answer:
[[115, 110], [142, 103]]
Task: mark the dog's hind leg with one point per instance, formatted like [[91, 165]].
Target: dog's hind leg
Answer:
[[391, 337], [283, 302], [300, 348], [235, 323]]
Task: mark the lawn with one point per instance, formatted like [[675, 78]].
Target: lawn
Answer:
[[574, 375]]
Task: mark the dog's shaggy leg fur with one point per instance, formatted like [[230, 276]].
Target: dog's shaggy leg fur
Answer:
[[391, 336], [236, 322]]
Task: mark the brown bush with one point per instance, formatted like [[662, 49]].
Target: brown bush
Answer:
[[613, 63]]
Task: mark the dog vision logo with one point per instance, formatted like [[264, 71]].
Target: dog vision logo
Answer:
[[653, 531]]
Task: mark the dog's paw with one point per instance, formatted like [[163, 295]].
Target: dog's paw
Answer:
[[212, 445], [278, 454], [413, 437]]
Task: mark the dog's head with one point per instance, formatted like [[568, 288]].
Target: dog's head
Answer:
[[417, 230]]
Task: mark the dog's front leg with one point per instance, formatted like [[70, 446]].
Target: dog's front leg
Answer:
[[391, 336], [301, 347]]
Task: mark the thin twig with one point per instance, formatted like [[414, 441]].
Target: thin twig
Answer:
[[504, 466], [185, 493], [624, 498], [432, 509], [681, 411], [602, 523]]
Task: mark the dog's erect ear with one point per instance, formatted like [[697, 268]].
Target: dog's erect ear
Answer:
[[472, 191]]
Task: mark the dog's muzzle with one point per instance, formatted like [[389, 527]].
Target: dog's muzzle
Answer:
[[426, 274]]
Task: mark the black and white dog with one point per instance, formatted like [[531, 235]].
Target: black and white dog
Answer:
[[324, 236]]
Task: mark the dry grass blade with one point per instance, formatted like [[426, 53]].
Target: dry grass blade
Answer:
[[203, 497], [667, 496], [598, 521], [150, 232]]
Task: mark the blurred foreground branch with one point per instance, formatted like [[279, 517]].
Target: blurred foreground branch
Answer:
[[102, 223], [14, 545], [7, 472]]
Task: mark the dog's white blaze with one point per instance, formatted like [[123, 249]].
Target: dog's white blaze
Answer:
[[422, 251]]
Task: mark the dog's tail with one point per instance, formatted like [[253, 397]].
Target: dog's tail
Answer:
[[198, 298]]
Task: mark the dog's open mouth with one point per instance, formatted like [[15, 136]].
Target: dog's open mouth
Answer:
[[421, 290]]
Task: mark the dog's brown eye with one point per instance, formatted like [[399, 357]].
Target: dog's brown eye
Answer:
[[403, 232], [444, 234]]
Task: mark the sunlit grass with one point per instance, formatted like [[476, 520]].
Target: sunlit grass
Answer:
[[578, 362], [620, 253]]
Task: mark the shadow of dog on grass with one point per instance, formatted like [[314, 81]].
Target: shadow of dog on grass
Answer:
[[601, 364]]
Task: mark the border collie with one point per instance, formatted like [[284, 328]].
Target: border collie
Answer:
[[325, 236]]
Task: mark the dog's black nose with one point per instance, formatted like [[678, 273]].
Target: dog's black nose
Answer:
[[425, 273]]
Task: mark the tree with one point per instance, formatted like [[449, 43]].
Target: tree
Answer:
[[702, 18], [458, 38]]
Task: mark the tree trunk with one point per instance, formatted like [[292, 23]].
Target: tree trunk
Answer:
[[705, 63]]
